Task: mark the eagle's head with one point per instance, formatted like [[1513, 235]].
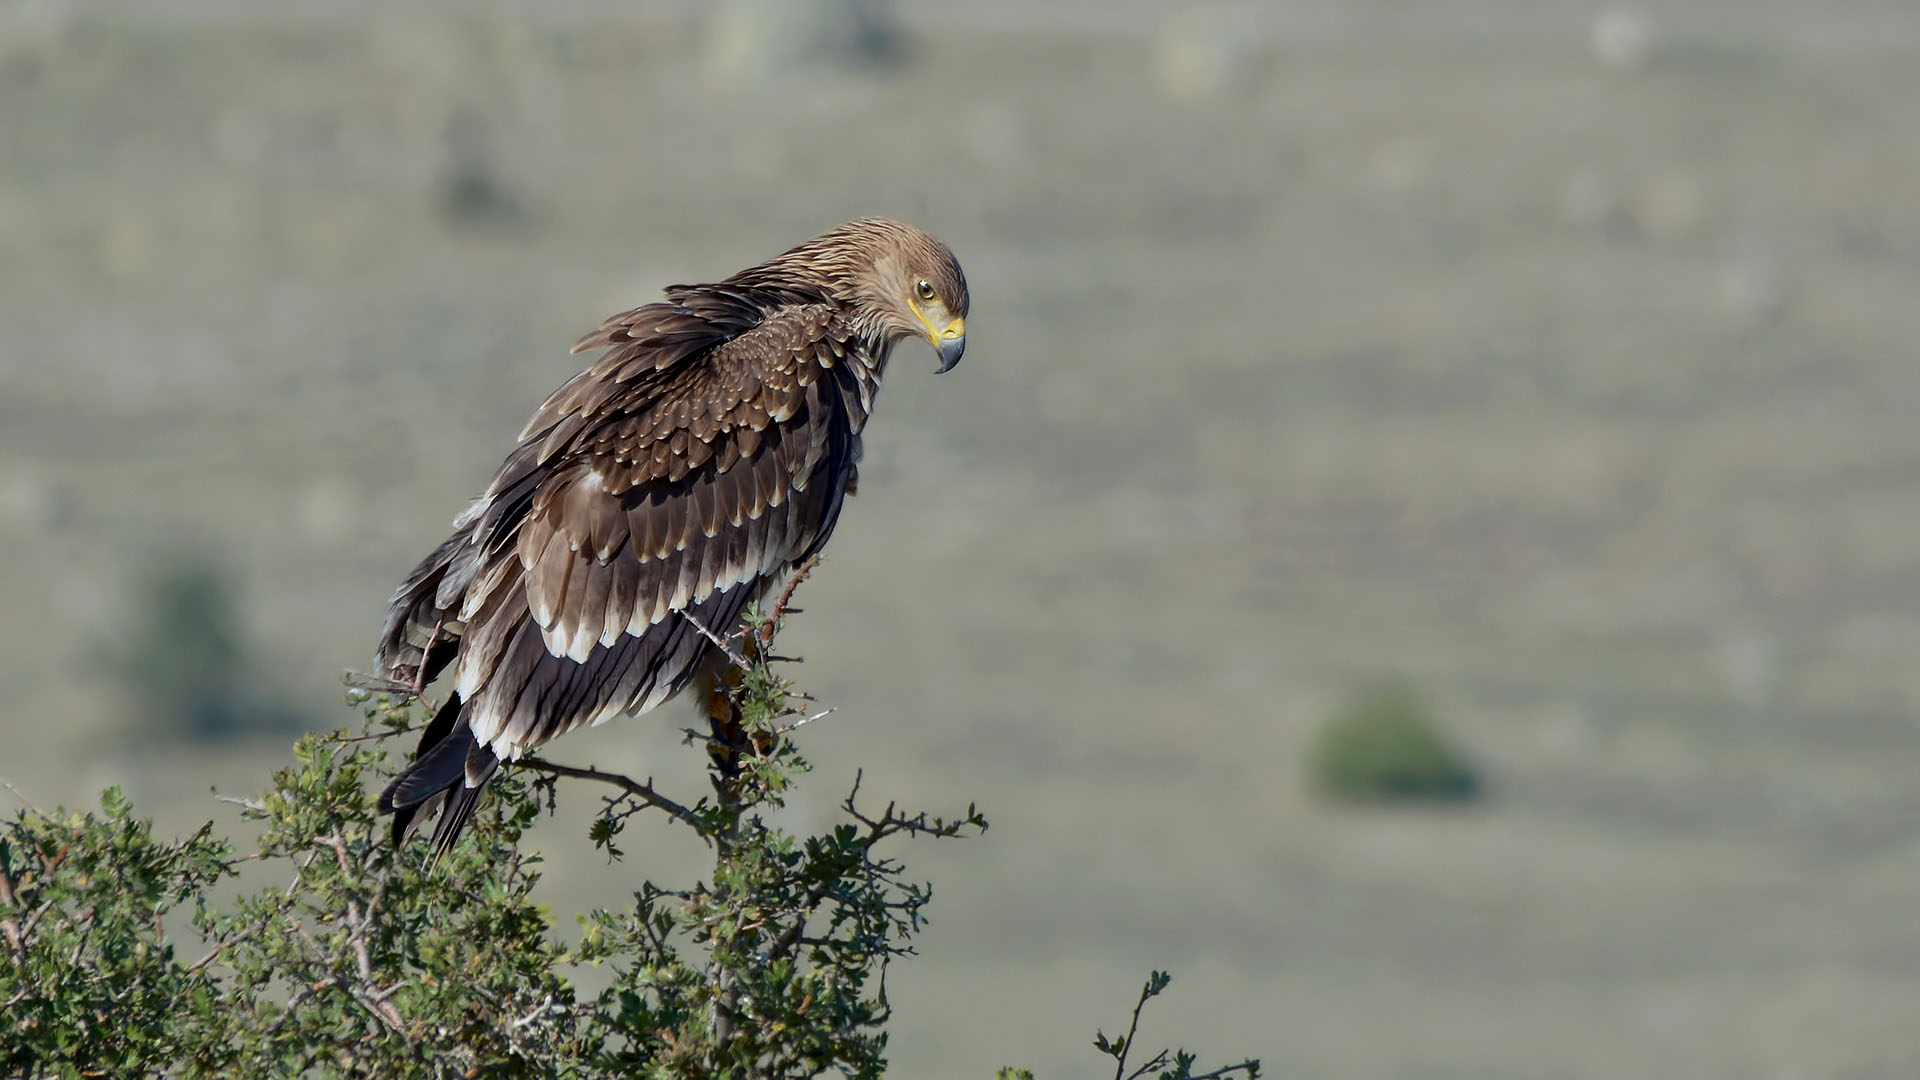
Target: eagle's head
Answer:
[[899, 281]]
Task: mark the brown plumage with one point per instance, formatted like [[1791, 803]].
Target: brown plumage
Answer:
[[702, 456]]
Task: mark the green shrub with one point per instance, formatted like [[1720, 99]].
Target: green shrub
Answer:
[[343, 956], [182, 658], [182, 654], [1386, 745]]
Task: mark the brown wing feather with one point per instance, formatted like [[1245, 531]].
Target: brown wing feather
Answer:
[[655, 503], [704, 453]]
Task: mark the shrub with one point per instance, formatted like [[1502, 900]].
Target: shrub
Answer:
[[1385, 745], [183, 653], [357, 959], [182, 660]]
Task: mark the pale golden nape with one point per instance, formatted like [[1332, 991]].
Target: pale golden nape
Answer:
[[899, 281]]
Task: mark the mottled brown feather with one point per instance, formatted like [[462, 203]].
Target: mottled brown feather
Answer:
[[702, 455]]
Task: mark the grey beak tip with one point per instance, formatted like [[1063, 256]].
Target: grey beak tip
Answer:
[[950, 353]]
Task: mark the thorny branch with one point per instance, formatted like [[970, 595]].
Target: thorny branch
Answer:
[[887, 824], [1133, 1029], [920, 824], [718, 641], [783, 605], [1181, 1063], [643, 792]]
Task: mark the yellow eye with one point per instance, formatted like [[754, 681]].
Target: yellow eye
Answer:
[[925, 290]]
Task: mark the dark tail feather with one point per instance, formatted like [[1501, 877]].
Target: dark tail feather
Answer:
[[461, 802], [448, 773]]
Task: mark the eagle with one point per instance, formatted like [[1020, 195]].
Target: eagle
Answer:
[[651, 499]]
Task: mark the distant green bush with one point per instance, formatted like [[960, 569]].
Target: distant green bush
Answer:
[[1386, 745], [471, 189], [181, 655], [347, 957]]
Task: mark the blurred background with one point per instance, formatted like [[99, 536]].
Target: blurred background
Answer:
[[1424, 544]]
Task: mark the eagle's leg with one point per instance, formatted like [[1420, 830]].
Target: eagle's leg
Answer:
[[723, 684]]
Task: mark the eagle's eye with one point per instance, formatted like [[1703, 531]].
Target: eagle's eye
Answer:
[[924, 289]]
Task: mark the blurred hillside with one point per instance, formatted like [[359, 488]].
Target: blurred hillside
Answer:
[[1561, 360]]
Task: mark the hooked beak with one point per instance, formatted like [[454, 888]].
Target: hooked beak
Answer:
[[951, 342]]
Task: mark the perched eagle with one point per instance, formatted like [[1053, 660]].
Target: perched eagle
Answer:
[[703, 456]]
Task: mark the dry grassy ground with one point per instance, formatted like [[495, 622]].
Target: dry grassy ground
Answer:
[[1309, 345]]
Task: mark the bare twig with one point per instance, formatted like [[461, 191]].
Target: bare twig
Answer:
[[719, 642], [1245, 1068], [1126, 1045], [781, 606], [356, 922], [343, 740], [803, 721], [795, 934], [33, 920], [538, 1011], [294, 1001], [382, 1009], [379, 1008], [878, 829], [408, 689], [213, 954], [890, 823], [339, 848], [643, 792], [294, 885], [367, 680], [1158, 1061], [85, 918]]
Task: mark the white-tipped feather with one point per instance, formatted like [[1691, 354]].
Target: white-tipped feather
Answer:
[[757, 544], [514, 737], [466, 678], [655, 695], [483, 720], [480, 590], [542, 592], [581, 644], [606, 712], [615, 623]]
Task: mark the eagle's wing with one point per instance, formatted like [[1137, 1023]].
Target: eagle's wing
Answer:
[[704, 453]]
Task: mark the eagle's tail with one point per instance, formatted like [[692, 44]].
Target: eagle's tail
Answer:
[[448, 773]]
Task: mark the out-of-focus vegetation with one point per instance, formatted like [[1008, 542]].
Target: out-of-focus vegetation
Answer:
[[183, 653], [1566, 364], [1386, 745], [182, 657]]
